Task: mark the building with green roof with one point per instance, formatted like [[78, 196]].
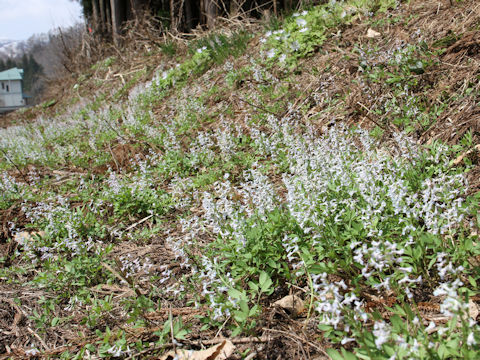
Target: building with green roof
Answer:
[[11, 92]]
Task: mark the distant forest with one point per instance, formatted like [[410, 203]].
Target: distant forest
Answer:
[[109, 17], [43, 58]]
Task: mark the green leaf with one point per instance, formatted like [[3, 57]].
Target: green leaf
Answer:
[[55, 321], [432, 262], [244, 306], [253, 286], [399, 310], [318, 268], [348, 355], [234, 293], [334, 354], [323, 327], [265, 281], [254, 310], [397, 322], [442, 351], [181, 334], [273, 264], [236, 331], [240, 316]]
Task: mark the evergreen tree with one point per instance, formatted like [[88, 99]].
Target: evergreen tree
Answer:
[[10, 63], [32, 71], [27, 73], [36, 67]]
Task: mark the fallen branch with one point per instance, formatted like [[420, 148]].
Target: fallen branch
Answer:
[[242, 340], [138, 222], [39, 338]]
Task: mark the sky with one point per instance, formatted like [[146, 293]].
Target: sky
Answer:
[[20, 19]]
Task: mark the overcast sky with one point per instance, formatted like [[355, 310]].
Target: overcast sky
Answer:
[[20, 19]]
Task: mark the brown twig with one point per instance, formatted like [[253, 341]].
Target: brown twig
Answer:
[[138, 222], [295, 337], [256, 106], [383, 127], [242, 340], [16, 167], [297, 101], [38, 338], [122, 278]]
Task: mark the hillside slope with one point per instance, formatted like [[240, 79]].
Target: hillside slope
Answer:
[[165, 200]]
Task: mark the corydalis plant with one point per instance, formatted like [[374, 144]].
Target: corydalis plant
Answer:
[[303, 32], [343, 203]]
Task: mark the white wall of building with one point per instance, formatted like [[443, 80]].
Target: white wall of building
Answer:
[[11, 93]]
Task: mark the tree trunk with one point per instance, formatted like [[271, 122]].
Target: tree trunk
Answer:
[[210, 10], [176, 15], [173, 25], [95, 16], [116, 20], [188, 15], [108, 18], [103, 19]]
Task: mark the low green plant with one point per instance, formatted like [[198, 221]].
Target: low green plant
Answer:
[[105, 63], [67, 276], [169, 48], [97, 310], [221, 46], [172, 327], [262, 250], [399, 72], [350, 208], [304, 33]]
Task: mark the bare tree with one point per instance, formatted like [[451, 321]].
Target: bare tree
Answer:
[[109, 17], [210, 10], [116, 13], [96, 15], [103, 18]]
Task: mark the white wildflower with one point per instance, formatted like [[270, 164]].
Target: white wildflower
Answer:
[[301, 22], [471, 339], [346, 340], [381, 331], [295, 46]]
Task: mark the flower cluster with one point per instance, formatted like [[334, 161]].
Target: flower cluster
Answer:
[[132, 266]]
